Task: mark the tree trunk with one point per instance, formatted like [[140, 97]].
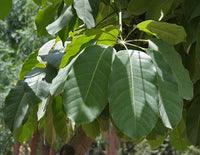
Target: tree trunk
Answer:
[[45, 148], [114, 141], [34, 143], [78, 144], [16, 148]]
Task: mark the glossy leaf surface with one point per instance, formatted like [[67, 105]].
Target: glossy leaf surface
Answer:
[[170, 103], [133, 94], [185, 86], [18, 104], [86, 90]]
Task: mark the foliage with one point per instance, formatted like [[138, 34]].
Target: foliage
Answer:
[[115, 55]]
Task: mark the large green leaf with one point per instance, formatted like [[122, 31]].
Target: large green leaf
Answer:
[[26, 131], [193, 122], [158, 9], [59, 119], [185, 86], [86, 90], [5, 8], [170, 103], [61, 22], [84, 10], [44, 18], [133, 96], [28, 65], [178, 137], [44, 50], [170, 33], [138, 7], [191, 9], [18, 104]]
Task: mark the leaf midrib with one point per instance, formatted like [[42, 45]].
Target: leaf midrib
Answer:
[[93, 75]]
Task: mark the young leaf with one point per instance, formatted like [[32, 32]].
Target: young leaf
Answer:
[[5, 8], [84, 11], [185, 86], [18, 104], [133, 94], [170, 33], [61, 22], [170, 103], [86, 90]]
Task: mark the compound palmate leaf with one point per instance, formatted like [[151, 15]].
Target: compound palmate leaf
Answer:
[[86, 90], [18, 104], [133, 94]]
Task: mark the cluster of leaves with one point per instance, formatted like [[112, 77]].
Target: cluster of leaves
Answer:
[[98, 70], [18, 38]]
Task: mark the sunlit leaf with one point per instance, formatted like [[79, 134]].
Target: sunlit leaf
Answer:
[[133, 96], [86, 90]]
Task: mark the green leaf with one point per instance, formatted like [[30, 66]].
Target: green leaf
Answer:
[[157, 135], [53, 58], [104, 119], [40, 2], [18, 104], [92, 129], [5, 8], [36, 81], [138, 7], [77, 44], [198, 49], [44, 50], [193, 122], [133, 94], [86, 90], [170, 103], [84, 11], [185, 86], [29, 64], [191, 9], [44, 18], [158, 9], [61, 22], [178, 137], [58, 82], [59, 119], [26, 131], [170, 33]]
